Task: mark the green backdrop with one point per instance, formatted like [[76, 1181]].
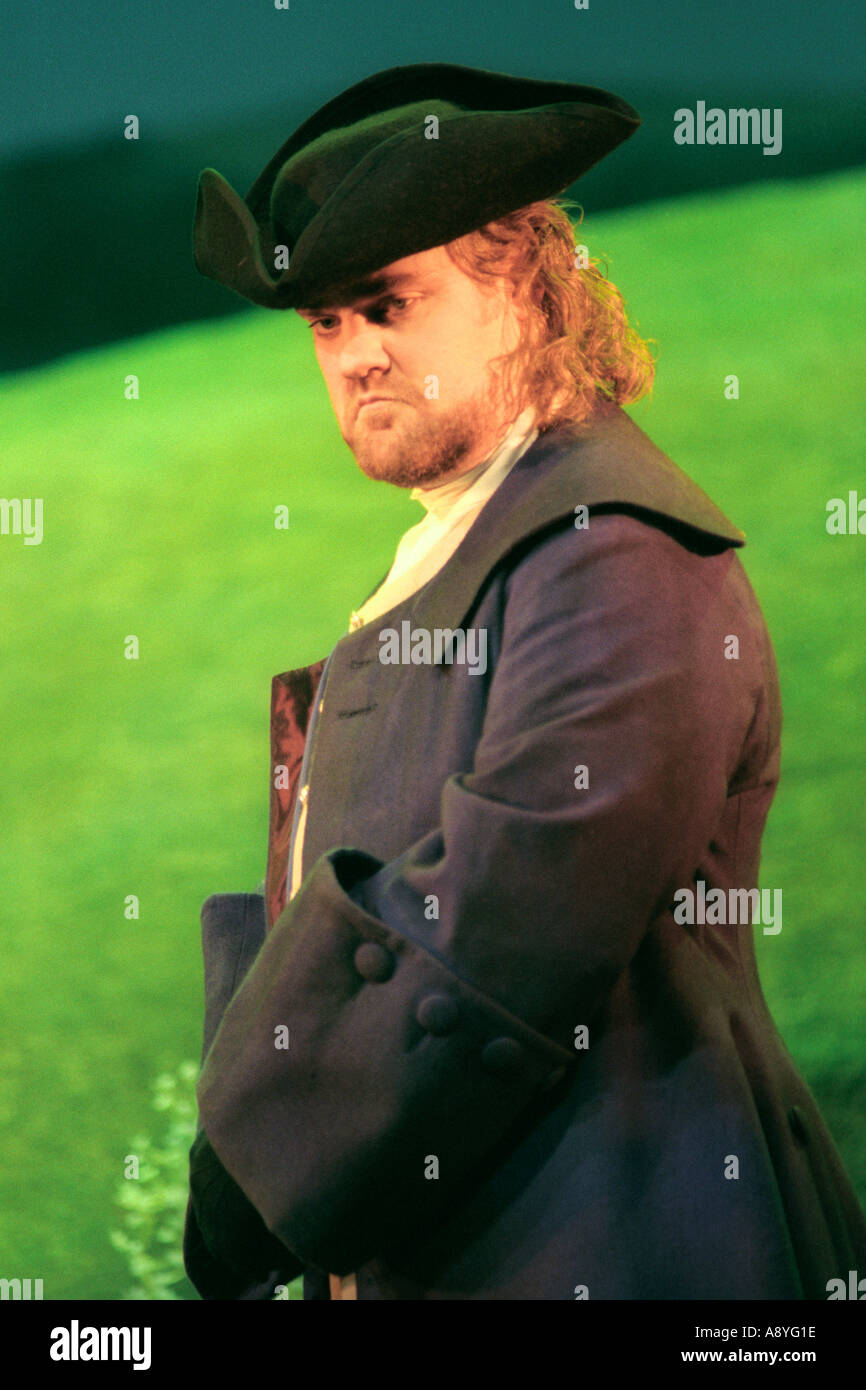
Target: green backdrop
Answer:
[[150, 776]]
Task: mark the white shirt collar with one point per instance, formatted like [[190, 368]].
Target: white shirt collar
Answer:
[[442, 499]]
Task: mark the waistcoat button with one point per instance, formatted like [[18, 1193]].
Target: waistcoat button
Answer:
[[798, 1125]]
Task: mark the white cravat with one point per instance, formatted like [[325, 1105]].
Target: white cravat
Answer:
[[451, 509]]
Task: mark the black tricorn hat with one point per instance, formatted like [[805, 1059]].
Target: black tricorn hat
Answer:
[[370, 178]]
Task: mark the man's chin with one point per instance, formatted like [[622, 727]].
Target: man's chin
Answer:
[[387, 465], [407, 457]]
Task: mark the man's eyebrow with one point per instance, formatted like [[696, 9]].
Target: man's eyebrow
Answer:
[[371, 287]]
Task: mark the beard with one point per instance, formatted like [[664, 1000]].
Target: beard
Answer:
[[422, 449]]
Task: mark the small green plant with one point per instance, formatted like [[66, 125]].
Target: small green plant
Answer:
[[153, 1193], [152, 1196]]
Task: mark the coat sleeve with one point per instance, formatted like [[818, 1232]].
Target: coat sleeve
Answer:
[[430, 1001]]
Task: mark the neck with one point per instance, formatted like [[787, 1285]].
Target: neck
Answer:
[[484, 454]]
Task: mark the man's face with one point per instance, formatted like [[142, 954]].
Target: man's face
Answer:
[[420, 336]]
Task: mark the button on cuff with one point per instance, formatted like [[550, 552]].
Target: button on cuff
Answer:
[[502, 1056], [438, 1014], [373, 962]]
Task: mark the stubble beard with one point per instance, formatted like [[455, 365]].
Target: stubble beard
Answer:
[[422, 450]]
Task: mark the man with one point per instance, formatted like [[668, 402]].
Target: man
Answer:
[[494, 1028]]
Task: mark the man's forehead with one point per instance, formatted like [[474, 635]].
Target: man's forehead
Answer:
[[338, 296], [399, 275]]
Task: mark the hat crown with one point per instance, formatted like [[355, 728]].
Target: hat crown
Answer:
[[311, 176]]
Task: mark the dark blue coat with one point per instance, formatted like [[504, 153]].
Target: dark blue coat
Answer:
[[512, 1073]]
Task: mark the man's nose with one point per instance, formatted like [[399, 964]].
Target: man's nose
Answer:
[[363, 348]]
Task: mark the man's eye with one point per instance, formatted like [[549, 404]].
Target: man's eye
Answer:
[[327, 323], [393, 304]]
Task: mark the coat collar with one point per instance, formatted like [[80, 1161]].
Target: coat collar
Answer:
[[608, 462]]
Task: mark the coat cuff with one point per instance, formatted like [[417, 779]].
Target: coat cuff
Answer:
[[357, 1084]]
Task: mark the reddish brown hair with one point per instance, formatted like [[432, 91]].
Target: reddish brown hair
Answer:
[[576, 345]]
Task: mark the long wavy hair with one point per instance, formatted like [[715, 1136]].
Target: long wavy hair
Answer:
[[577, 347]]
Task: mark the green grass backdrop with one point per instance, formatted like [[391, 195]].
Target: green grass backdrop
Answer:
[[150, 777]]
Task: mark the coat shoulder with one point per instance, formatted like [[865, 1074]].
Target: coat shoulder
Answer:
[[569, 474]]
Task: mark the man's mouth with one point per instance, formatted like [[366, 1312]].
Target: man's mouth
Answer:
[[375, 400]]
